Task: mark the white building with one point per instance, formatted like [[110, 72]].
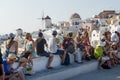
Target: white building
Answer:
[[74, 24], [75, 20], [47, 22]]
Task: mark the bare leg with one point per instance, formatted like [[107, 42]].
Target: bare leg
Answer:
[[23, 62], [50, 60], [63, 57], [30, 59], [21, 75]]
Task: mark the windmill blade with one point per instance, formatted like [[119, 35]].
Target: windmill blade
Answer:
[[39, 18]]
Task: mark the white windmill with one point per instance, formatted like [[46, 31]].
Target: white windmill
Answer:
[[46, 22]]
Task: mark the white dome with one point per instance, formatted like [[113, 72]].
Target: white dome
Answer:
[[75, 15]]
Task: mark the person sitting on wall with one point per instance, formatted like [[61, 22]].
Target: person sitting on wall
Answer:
[[52, 46], [40, 43], [10, 73], [11, 46], [98, 54]]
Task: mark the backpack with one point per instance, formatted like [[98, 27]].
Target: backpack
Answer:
[[67, 60], [67, 45], [70, 49]]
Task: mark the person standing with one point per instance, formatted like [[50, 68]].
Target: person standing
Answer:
[[29, 51]]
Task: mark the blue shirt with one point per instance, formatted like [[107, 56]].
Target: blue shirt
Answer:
[[6, 66]]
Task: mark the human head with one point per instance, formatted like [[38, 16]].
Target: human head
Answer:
[[28, 36], [40, 34], [11, 36], [54, 33], [70, 34], [11, 58]]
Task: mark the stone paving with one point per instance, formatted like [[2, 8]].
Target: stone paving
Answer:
[[105, 74]]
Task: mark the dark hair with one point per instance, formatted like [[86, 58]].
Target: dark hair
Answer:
[[9, 42], [40, 34], [54, 33], [28, 35], [70, 34]]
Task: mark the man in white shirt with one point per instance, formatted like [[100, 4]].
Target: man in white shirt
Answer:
[[52, 45], [114, 37]]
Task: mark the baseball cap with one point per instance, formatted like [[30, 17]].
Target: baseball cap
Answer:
[[11, 35], [54, 32], [40, 34]]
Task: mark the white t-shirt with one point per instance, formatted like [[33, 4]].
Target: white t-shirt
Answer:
[[52, 45], [114, 37], [118, 29]]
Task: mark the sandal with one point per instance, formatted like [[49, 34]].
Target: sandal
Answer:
[[49, 67]]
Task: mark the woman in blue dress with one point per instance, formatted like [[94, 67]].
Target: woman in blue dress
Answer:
[[29, 51]]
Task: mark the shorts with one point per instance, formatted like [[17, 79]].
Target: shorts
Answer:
[[59, 52], [26, 54], [47, 54], [81, 47]]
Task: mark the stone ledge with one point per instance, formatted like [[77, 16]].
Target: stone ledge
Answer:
[[64, 72]]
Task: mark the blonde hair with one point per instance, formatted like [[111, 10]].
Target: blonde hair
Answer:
[[85, 33]]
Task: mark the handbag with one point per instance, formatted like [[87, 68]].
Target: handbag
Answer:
[[29, 68]]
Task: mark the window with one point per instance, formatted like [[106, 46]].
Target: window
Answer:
[[76, 23]]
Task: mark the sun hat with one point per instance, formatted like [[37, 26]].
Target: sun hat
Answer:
[[11, 56], [11, 35], [40, 34], [54, 32]]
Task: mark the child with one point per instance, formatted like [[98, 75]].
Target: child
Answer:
[[114, 53], [98, 53]]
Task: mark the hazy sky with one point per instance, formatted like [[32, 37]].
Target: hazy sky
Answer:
[[24, 13]]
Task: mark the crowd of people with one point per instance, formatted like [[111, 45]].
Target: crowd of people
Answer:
[[106, 51]]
